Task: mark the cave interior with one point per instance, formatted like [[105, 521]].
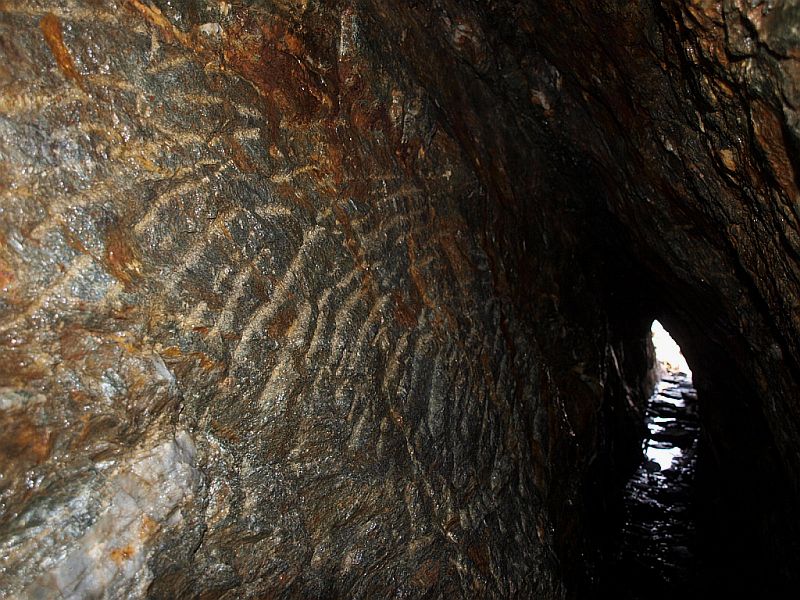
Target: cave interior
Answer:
[[308, 299]]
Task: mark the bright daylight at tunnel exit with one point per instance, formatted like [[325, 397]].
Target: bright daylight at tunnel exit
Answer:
[[655, 553], [354, 299]]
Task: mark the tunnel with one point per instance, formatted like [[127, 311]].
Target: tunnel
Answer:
[[353, 299]]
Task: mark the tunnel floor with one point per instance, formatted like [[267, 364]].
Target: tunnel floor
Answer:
[[656, 549]]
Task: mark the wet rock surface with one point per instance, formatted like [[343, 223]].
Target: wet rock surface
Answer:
[[689, 101], [656, 556], [279, 315], [311, 299]]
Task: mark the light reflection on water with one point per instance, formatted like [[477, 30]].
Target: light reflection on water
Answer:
[[663, 456], [666, 393], [656, 553]]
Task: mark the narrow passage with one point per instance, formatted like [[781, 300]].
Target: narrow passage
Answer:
[[657, 544]]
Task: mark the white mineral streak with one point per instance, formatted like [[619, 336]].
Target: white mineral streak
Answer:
[[110, 559], [348, 34], [11, 399], [211, 29]]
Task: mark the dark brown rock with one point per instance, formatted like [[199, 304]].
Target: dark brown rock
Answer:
[[350, 299]]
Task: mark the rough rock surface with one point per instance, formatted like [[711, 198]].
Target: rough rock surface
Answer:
[[349, 299], [690, 128]]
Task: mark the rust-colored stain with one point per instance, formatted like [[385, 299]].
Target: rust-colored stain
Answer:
[[354, 248], [239, 155], [73, 241], [297, 196], [78, 343], [462, 266], [769, 133], [369, 117], [22, 441], [427, 575], [350, 241], [74, 343], [6, 275], [268, 54], [173, 353], [206, 362], [147, 528], [153, 15], [93, 429], [120, 555], [225, 431], [121, 257], [406, 313], [124, 343], [279, 326], [51, 28], [259, 287], [479, 554], [271, 57], [18, 367]]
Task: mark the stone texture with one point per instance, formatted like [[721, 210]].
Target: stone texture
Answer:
[[686, 114], [350, 299], [274, 308]]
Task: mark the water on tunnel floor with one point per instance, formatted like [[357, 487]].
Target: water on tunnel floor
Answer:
[[655, 555], [658, 538]]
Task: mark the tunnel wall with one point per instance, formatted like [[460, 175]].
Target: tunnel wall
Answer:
[[350, 299], [290, 307], [687, 112]]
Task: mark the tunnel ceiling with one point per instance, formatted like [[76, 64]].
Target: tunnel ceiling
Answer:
[[350, 299]]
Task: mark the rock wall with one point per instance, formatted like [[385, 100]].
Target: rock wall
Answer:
[[290, 307], [687, 112], [350, 299]]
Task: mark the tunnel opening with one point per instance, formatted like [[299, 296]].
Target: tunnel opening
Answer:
[[731, 525], [706, 510], [654, 549]]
